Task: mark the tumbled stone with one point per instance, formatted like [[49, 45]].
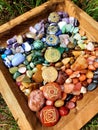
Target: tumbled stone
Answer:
[[12, 70], [92, 86], [26, 46], [18, 59], [8, 52]]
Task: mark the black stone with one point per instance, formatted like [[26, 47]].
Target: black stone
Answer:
[[95, 81], [76, 22], [92, 86], [69, 97], [2, 49]]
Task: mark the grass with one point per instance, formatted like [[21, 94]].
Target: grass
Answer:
[[13, 8], [7, 122]]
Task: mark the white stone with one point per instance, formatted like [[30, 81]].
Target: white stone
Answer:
[[61, 24]]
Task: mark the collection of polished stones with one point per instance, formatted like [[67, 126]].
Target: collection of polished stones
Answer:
[[54, 64]]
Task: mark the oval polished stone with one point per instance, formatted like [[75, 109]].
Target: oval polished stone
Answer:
[[18, 59], [91, 86], [69, 97], [16, 74]]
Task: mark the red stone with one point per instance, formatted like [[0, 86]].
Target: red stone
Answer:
[[63, 111], [49, 116], [52, 91]]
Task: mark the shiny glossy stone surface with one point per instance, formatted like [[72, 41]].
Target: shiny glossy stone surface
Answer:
[[91, 86]]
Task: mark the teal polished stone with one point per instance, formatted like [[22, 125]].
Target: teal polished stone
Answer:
[[16, 74], [38, 44]]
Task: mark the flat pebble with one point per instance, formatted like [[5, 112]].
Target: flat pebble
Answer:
[[92, 86]]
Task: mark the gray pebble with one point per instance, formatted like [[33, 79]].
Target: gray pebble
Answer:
[[91, 86]]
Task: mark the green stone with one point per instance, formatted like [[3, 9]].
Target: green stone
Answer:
[[29, 73], [12, 70], [84, 38], [77, 36], [26, 79], [72, 29], [16, 74], [28, 67], [76, 30], [82, 46], [68, 27], [80, 42], [66, 49], [25, 62], [63, 29], [61, 49]]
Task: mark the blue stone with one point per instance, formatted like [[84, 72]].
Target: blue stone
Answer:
[[8, 52], [11, 41], [58, 33], [43, 39], [18, 59], [30, 40], [3, 56], [7, 62]]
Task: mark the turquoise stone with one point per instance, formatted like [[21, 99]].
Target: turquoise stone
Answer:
[[38, 44], [16, 74], [61, 49], [76, 30]]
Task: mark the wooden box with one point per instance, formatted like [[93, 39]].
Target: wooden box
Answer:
[[16, 100]]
